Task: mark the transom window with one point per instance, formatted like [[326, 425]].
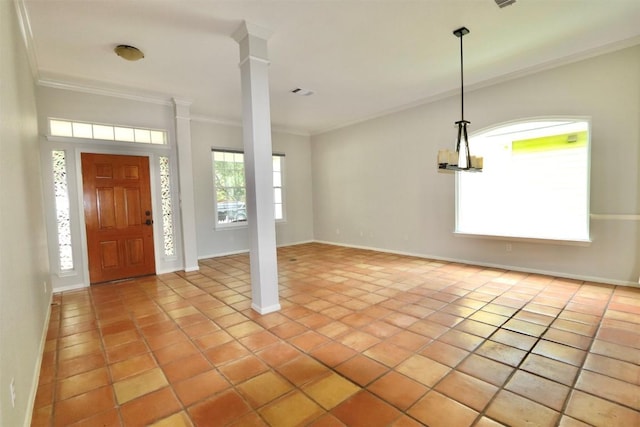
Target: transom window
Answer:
[[230, 188], [73, 129], [535, 182]]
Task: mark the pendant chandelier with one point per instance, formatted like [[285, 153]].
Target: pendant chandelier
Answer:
[[461, 159]]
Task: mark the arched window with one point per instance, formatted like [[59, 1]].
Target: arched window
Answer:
[[535, 182]]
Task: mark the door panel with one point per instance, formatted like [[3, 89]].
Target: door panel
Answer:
[[135, 251], [106, 208], [109, 254], [117, 205], [131, 172], [133, 213]]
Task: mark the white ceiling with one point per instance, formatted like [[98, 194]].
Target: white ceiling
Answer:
[[361, 58]]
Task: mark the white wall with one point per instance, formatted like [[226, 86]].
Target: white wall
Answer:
[[298, 226], [375, 184], [24, 302]]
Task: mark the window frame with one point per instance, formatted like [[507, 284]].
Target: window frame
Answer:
[[564, 240], [140, 136], [244, 224]]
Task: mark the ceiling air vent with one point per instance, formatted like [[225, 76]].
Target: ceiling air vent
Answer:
[[302, 92], [503, 3]]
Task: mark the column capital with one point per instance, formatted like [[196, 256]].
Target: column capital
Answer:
[[253, 42], [182, 108], [182, 102], [248, 29]]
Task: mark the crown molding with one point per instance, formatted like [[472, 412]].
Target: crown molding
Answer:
[[27, 37], [183, 102], [290, 131], [104, 91], [408, 106], [549, 65], [216, 121], [238, 124], [157, 100]]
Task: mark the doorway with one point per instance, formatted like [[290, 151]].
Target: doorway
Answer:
[[118, 216]]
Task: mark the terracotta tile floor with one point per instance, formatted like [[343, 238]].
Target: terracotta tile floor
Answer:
[[363, 339]]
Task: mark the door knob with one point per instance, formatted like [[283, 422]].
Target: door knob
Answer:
[[149, 222]]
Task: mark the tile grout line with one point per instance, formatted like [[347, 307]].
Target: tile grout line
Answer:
[[154, 356], [214, 367], [516, 368], [54, 394], [588, 352], [104, 350], [452, 328], [301, 283], [235, 339], [529, 352]]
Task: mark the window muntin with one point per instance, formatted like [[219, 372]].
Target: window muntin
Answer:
[[535, 182], [84, 130], [230, 187], [277, 187]]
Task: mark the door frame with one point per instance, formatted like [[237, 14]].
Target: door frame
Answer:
[[78, 277]]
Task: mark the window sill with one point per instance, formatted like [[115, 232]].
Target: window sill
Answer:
[[230, 226], [582, 243], [67, 273], [240, 226]]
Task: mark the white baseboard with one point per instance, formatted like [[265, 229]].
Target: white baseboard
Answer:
[[71, 287], [246, 251], [266, 310], [302, 242], [221, 254], [560, 274], [31, 400]]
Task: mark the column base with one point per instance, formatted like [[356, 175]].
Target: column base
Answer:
[[266, 310]]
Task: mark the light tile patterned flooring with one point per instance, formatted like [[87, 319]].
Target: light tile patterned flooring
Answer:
[[363, 339]]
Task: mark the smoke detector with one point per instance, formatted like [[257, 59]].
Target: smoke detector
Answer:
[[504, 3]]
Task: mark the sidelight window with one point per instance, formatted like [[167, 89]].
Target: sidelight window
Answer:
[[61, 194]]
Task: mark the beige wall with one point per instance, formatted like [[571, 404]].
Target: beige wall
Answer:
[[23, 254], [375, 184]]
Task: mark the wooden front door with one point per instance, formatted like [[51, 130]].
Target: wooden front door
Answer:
[[118, 216]]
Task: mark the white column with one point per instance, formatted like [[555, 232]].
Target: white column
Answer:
[[256, 135], [185, 178]]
